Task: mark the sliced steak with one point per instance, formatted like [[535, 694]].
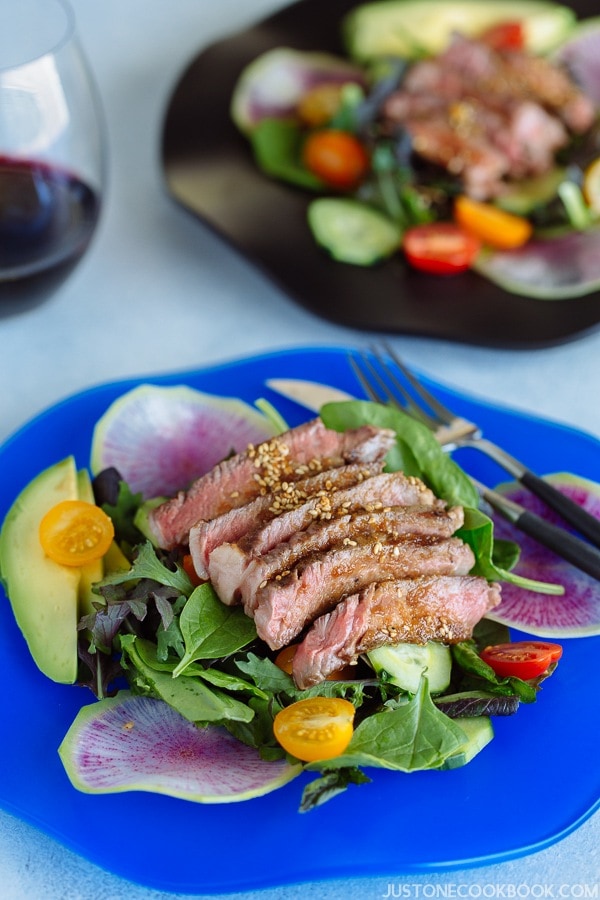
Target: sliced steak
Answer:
[[391, 522], [286, 604], [292, 455], [439, 608], [488, 116], [228, 561], [231, 526]]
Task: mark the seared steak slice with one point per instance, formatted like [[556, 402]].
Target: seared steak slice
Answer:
[[228, 561], [284, 605], [439, 608], [391, 522], [292, 455], [205, 535], [488, 116]]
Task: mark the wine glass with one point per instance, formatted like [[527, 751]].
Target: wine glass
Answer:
[[52, 150]]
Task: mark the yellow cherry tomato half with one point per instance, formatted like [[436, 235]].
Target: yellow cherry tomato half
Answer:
[[315, 728], [492, 225], [74, 533], [591, 186]]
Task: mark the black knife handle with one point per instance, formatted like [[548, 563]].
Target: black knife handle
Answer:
[[571, 512], [566, 545]]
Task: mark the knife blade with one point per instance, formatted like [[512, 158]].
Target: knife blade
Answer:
[[310, 394]]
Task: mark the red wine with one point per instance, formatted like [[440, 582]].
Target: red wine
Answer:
[[47, 218]]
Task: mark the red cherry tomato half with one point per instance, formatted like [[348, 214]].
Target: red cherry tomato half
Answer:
[[523, 659], [440, 248], [505, 36], [337, 157], [189, 569]]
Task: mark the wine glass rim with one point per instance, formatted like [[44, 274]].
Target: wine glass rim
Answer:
[[65, 36]]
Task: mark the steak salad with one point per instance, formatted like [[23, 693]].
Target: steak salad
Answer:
[[321, 598], [474, 146]]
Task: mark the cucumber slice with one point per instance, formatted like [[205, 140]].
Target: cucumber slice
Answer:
[[405, 663], [478, 732], [411, 28], [352, 232], [523, 197]]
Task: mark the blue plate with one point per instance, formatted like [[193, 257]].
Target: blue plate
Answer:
[[398, 824]]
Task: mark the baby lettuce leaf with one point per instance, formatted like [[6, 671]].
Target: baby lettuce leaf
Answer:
[[480, 676], [210, 629], [271, 679], [467, 704], [148, 565], [267, 676], [329, 785], [191, 696]]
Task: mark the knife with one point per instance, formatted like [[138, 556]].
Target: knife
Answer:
[[312, 396], [309, 394]]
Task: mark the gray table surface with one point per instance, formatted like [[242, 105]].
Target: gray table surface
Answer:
[[148, 257]]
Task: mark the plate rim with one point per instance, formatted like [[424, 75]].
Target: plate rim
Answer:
[[335, 869]]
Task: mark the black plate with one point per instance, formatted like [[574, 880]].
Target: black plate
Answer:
[[209, 170]]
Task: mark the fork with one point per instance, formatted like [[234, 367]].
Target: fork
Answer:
[[453, 431]]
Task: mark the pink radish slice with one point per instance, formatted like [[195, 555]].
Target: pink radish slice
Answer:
[[161, 438], [130, 743], [577, 612], [547, 269], [272, 84], [581, 55]]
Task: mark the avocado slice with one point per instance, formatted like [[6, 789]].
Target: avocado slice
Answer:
[[410, 28], [93, 571], [44, 595]]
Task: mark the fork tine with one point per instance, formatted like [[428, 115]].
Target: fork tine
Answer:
[[407, 403], [444, 415], [368, 387], [378, 390]]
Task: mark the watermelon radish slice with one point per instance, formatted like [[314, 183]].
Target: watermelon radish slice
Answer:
[[547, 269], [161, 438], [581, 55], [130, 743], [271, 85], [576, 613]]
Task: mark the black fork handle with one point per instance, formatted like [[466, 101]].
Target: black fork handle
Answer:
[[576, 516], [561, 542], [586, 524]]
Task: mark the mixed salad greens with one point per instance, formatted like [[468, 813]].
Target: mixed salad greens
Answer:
[[316, 121], [172, 666]]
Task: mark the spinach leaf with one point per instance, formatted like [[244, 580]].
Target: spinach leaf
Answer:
[[228, 682], [478, 533], [407, 738], [277, 147], [416, 452], [210, 629]]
